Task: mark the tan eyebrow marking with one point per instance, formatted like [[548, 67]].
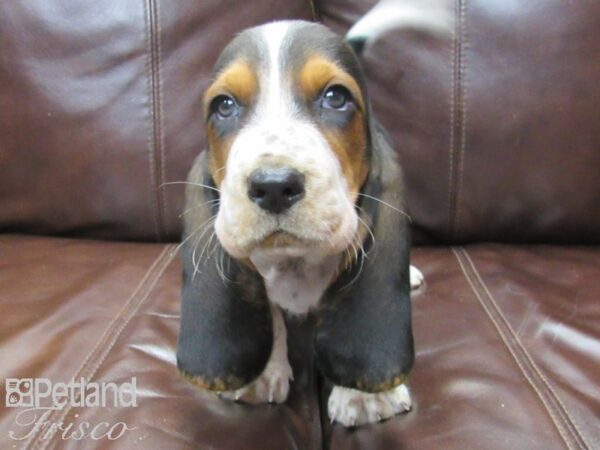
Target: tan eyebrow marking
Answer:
[[319, 72], [237, 79]]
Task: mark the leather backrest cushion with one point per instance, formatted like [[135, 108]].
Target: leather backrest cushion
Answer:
[[499, 129], [100, 104]]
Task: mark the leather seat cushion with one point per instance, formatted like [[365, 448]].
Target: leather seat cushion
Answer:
[[507, 350]]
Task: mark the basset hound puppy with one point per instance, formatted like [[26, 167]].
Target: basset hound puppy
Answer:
[[297, 205]]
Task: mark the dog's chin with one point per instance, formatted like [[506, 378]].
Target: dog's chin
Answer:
[[281, 240], [283, 243], [279, 243]]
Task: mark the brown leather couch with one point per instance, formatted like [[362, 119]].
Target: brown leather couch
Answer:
[[499, 135]]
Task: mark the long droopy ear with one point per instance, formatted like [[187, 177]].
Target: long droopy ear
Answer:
[[364, 336], [225, 335]]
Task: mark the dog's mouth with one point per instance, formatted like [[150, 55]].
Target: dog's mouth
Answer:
[[282, 244], [280, 239]]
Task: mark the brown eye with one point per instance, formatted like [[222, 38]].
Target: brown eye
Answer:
[[335, 97], [224, 106]]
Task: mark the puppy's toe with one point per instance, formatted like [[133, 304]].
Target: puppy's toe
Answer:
[[272, 386], [352, 407], [416, 278]]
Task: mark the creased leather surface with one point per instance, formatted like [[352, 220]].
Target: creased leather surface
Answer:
[[109, 311], [468, 389], [498, 134], [496, 129], [100, 105], [547, 299]]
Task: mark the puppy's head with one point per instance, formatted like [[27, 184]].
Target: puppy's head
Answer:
[[288, 141]]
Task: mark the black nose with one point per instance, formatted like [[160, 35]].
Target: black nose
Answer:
[[275, 190]]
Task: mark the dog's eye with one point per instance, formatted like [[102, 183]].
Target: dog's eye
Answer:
[[224, 106], [335, 97]]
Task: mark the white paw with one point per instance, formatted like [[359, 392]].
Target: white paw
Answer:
[[272, 386], [416, 278], [351, 407]]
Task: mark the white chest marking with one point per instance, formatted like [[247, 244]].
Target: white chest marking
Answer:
[[296, 284]]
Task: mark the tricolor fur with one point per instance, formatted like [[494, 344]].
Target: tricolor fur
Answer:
[[277, 73], [341, 249]]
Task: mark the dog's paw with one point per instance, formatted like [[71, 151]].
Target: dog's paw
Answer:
[[416, 278], [351, 407], [272, 386]]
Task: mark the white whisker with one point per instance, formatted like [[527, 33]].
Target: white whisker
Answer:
[[366, 226], [384, 203], [207, 224], [208, 203], [191, 184], [219, 265], [360, 269], [182, 243], [208, 242]]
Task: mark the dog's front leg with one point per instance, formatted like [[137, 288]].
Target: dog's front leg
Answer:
[[273, 384], [363, 341], [352, 407]]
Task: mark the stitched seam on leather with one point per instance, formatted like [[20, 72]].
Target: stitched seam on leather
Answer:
[[567, 417], [528, 376], [453, 101], [313, 10], [162, 195], [153, 143], [460, 167], [36, 438], [115, 336], [103, 337]]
